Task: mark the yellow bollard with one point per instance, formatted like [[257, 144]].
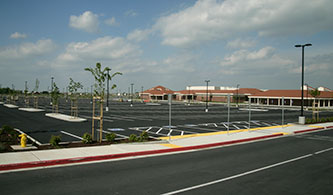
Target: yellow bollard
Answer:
[[23, 137]]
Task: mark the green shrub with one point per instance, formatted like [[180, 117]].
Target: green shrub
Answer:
[[87, 138], [308, 121], [144, 136], [110, 137], [3, 147], [55, 140], [132, 138]]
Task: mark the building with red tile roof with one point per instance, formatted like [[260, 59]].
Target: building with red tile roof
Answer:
[[239, 95], [292, 98]]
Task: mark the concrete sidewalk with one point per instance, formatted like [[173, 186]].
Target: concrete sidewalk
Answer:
[[14, 161]]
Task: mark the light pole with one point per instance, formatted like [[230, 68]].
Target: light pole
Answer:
[[237, 93], [307, 93], [107, 94], [207, 81], [51, 89], [132, 94], [301, 118]]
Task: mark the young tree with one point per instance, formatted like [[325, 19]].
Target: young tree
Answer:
[[55, 94], [72, 88], [314, 93], [36, 91], [99, 91]]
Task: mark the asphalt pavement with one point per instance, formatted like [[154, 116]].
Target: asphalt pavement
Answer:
[[125, 120], [297, 164]]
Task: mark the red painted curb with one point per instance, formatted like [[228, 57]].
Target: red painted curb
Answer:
[[115, 156], [308, 130]]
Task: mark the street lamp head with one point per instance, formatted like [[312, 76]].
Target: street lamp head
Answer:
[[308, 44], [298, 45]]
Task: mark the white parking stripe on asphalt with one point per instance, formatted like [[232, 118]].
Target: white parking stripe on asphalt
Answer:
[[72, 135], [159, 130], [124, 136]]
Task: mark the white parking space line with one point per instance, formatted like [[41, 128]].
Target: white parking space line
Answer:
[[148, 129], [29, 137], [215, 124], [89, 117], [255, 123], [182, 133], [123, 136], [72, 135], [235, 126], [169, 132], [225, 125], [157, 132], [247, 173], [268, 125]]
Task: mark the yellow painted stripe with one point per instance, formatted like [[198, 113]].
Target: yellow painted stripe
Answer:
[[222, 132], [315, 126], [284, 133], [171, 145]]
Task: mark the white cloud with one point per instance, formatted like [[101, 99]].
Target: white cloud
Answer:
[[88, 21], [111, 21], [319, 64], [240, 43], [138, 35], [41, 47], [209, 20], [245, 56], [109, 49], [18, 35]]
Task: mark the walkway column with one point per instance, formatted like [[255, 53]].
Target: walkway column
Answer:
[[267, 101]]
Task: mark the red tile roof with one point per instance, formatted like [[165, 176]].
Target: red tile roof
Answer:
[[244, 91], [158, 90], [291, 93]]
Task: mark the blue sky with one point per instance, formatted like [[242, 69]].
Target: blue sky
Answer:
[[173, 43]]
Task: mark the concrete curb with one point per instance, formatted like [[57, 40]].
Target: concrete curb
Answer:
[[309, 130], [47, 163]]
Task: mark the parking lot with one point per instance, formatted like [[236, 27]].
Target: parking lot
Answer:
[[124, 120]]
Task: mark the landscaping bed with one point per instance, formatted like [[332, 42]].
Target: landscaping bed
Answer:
[[9, 137]]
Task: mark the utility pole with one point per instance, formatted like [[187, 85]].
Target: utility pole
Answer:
[[51, 89], [132, 94], [237, 94], [207, 81], [107, 95], [301, 118]]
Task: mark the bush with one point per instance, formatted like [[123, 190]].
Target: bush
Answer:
[[55, 140], [144, 136], [9, 135], [3, 147], [132, 138], [110, 137], [87, 138]]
